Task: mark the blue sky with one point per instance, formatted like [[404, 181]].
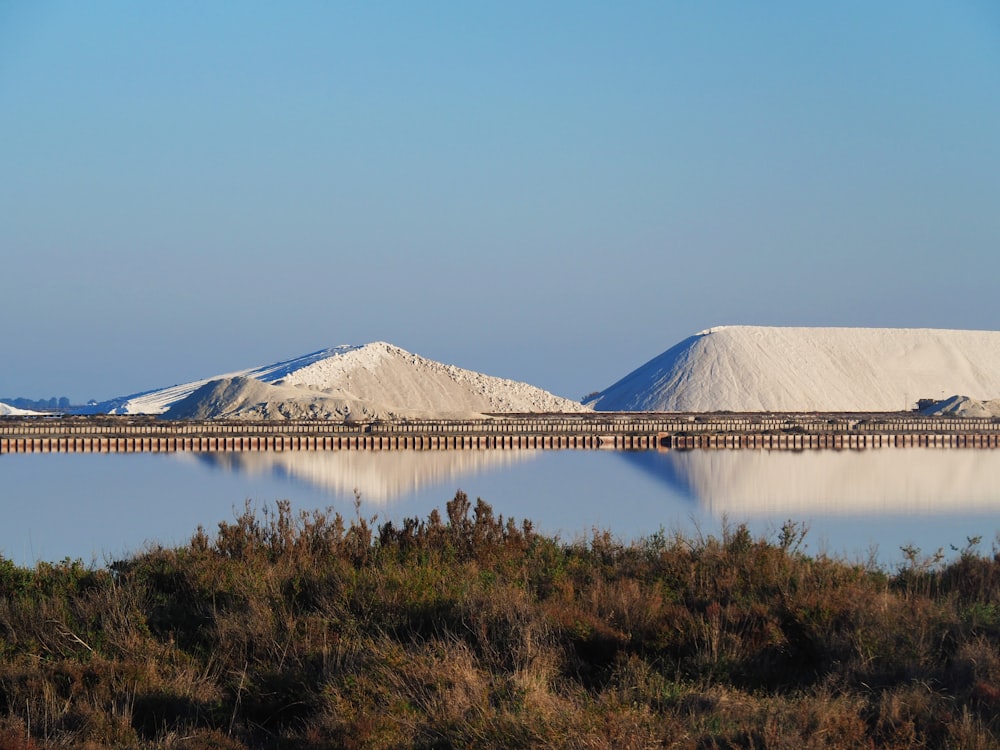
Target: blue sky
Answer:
[[552, 192]]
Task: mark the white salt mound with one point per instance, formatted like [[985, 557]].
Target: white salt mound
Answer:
[[759, 368], [6, 410], [377, 380]]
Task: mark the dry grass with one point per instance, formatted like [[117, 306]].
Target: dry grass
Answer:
[[301, 630]]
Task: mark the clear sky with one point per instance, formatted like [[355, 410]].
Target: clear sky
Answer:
[[548, 191]]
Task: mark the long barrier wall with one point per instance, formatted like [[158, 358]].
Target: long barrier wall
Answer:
[[591, 431]]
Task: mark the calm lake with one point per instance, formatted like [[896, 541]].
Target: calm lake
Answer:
[[100, 507]]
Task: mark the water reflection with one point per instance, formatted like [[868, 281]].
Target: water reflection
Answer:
[[745, 483], [377, 476], [98, 505], [860, 504], [735, 483]]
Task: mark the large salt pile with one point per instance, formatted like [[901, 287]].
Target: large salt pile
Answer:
[[349, 382], [758, 368]]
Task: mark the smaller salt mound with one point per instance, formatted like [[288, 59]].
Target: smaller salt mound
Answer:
[[372, 381], [963, 406], [6, 410]]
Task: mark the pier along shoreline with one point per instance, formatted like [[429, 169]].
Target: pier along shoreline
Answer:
[[632, 431]]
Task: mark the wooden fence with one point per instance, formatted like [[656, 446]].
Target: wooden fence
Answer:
[[552, 432]]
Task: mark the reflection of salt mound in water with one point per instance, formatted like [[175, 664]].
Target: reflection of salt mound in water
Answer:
[[744, 483], [379, 476]]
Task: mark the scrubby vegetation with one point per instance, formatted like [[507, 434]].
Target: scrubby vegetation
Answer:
[[301, 630]]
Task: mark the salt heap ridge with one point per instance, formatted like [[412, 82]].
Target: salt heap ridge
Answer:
[[775, 369]]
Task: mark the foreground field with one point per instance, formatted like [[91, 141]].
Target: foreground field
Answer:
[[303, 630]]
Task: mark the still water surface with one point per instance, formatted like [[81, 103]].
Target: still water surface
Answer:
[[100, 507]]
